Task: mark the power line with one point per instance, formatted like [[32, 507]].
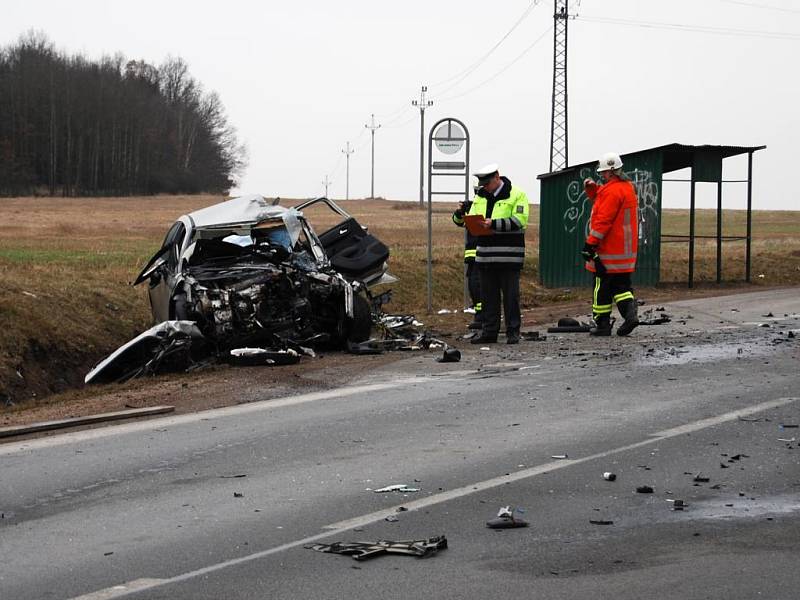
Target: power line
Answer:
[[461, 75], [773, 35], [501, 71], [764, 6]]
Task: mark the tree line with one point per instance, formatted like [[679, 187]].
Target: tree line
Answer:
[[73, 126]]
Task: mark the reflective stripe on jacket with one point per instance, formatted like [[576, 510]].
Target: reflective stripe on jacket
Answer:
[[614, 226], [509, 214]]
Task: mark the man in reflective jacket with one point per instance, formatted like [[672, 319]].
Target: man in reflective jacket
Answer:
[[500, 254], [610, 249]]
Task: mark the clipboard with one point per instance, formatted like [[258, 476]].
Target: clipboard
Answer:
[[473, 225]]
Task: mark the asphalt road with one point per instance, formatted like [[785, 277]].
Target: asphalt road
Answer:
[[219, 505]]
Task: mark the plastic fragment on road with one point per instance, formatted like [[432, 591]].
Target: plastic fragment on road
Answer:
[[423, 548], [560, 456], [507, 518], [644, 489], [400, 487], [677, 504], [601, 521], [699, 478], [450, 355], [608, 476]]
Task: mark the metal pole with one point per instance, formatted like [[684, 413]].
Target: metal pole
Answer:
[[422, 104], [372, 127], [347, 154], [719, 229], [691, 232], [430, 227], [749, 215]]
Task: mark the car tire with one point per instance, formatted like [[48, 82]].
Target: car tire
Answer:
[[359, 328]]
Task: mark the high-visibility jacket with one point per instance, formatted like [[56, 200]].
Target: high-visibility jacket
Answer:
[[614, 226], [509, 214], [470, 241]]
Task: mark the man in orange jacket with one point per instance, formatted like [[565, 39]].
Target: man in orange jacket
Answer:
[[610, 249]]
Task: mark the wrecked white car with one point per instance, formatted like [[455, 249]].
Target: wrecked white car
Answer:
[[248, 272]]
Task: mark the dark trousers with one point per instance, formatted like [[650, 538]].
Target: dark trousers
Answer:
[[609, 289], [496, 280], [474, 285]]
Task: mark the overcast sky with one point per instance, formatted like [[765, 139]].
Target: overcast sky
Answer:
[[300, 79]]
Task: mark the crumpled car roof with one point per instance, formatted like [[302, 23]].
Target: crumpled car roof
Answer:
[[245, 209]]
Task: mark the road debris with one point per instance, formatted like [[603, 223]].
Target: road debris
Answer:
[[644, 489], [649, 317], [569, 325], [608, 476], [238, 495], [677, 504], [560, 456], [601, 522], [507, 518], [700, 478], [391, 519], [450, 355], [400, 487], [365, 550]]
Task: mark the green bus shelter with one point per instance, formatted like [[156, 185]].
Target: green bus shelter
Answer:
[[565, 211]]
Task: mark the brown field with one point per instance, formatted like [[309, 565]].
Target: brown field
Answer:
[[66, 264]]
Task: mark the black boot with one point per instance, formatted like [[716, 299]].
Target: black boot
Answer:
[[627, 308], [602, 326]]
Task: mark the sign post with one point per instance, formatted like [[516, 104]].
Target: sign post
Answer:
[[451, 138]]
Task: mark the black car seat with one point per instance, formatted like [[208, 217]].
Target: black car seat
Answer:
[[352, 251]]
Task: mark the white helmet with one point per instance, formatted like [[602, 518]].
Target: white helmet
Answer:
[[609, 161], [476, 184]]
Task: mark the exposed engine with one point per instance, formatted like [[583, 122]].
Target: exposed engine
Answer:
[[240, 296]]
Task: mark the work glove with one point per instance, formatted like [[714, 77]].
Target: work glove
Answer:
[[461, 210], [589, 252], [590, 187]]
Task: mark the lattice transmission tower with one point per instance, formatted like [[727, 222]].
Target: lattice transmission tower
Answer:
[[558, 125]]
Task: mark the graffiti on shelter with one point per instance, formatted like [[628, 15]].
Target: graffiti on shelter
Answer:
[[646, 190]]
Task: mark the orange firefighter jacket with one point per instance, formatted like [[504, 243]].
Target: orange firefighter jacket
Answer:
[[613, 226]]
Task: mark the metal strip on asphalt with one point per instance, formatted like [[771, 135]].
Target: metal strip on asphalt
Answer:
[[342, 526]]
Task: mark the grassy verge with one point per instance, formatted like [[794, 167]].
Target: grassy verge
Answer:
[[66, 265]]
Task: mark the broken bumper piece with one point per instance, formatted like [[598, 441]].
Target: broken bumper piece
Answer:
[[168, 345], [366, 550]]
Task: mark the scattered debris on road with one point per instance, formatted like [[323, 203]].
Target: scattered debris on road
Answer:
[[507, 518], [365, 550], [608, 476], [649, 317], [560, 456], [644, 489], [700, 478], [400, 487], [601, 521]]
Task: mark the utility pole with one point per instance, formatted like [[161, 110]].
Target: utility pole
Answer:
[[347, 154], [558, 125], [372, 129], [326, 182], [422, 104]]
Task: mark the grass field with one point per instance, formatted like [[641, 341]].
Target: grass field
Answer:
[[66, 265]]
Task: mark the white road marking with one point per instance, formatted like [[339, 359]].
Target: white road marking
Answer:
[[125, 588], [343, 526], [239, 409]]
